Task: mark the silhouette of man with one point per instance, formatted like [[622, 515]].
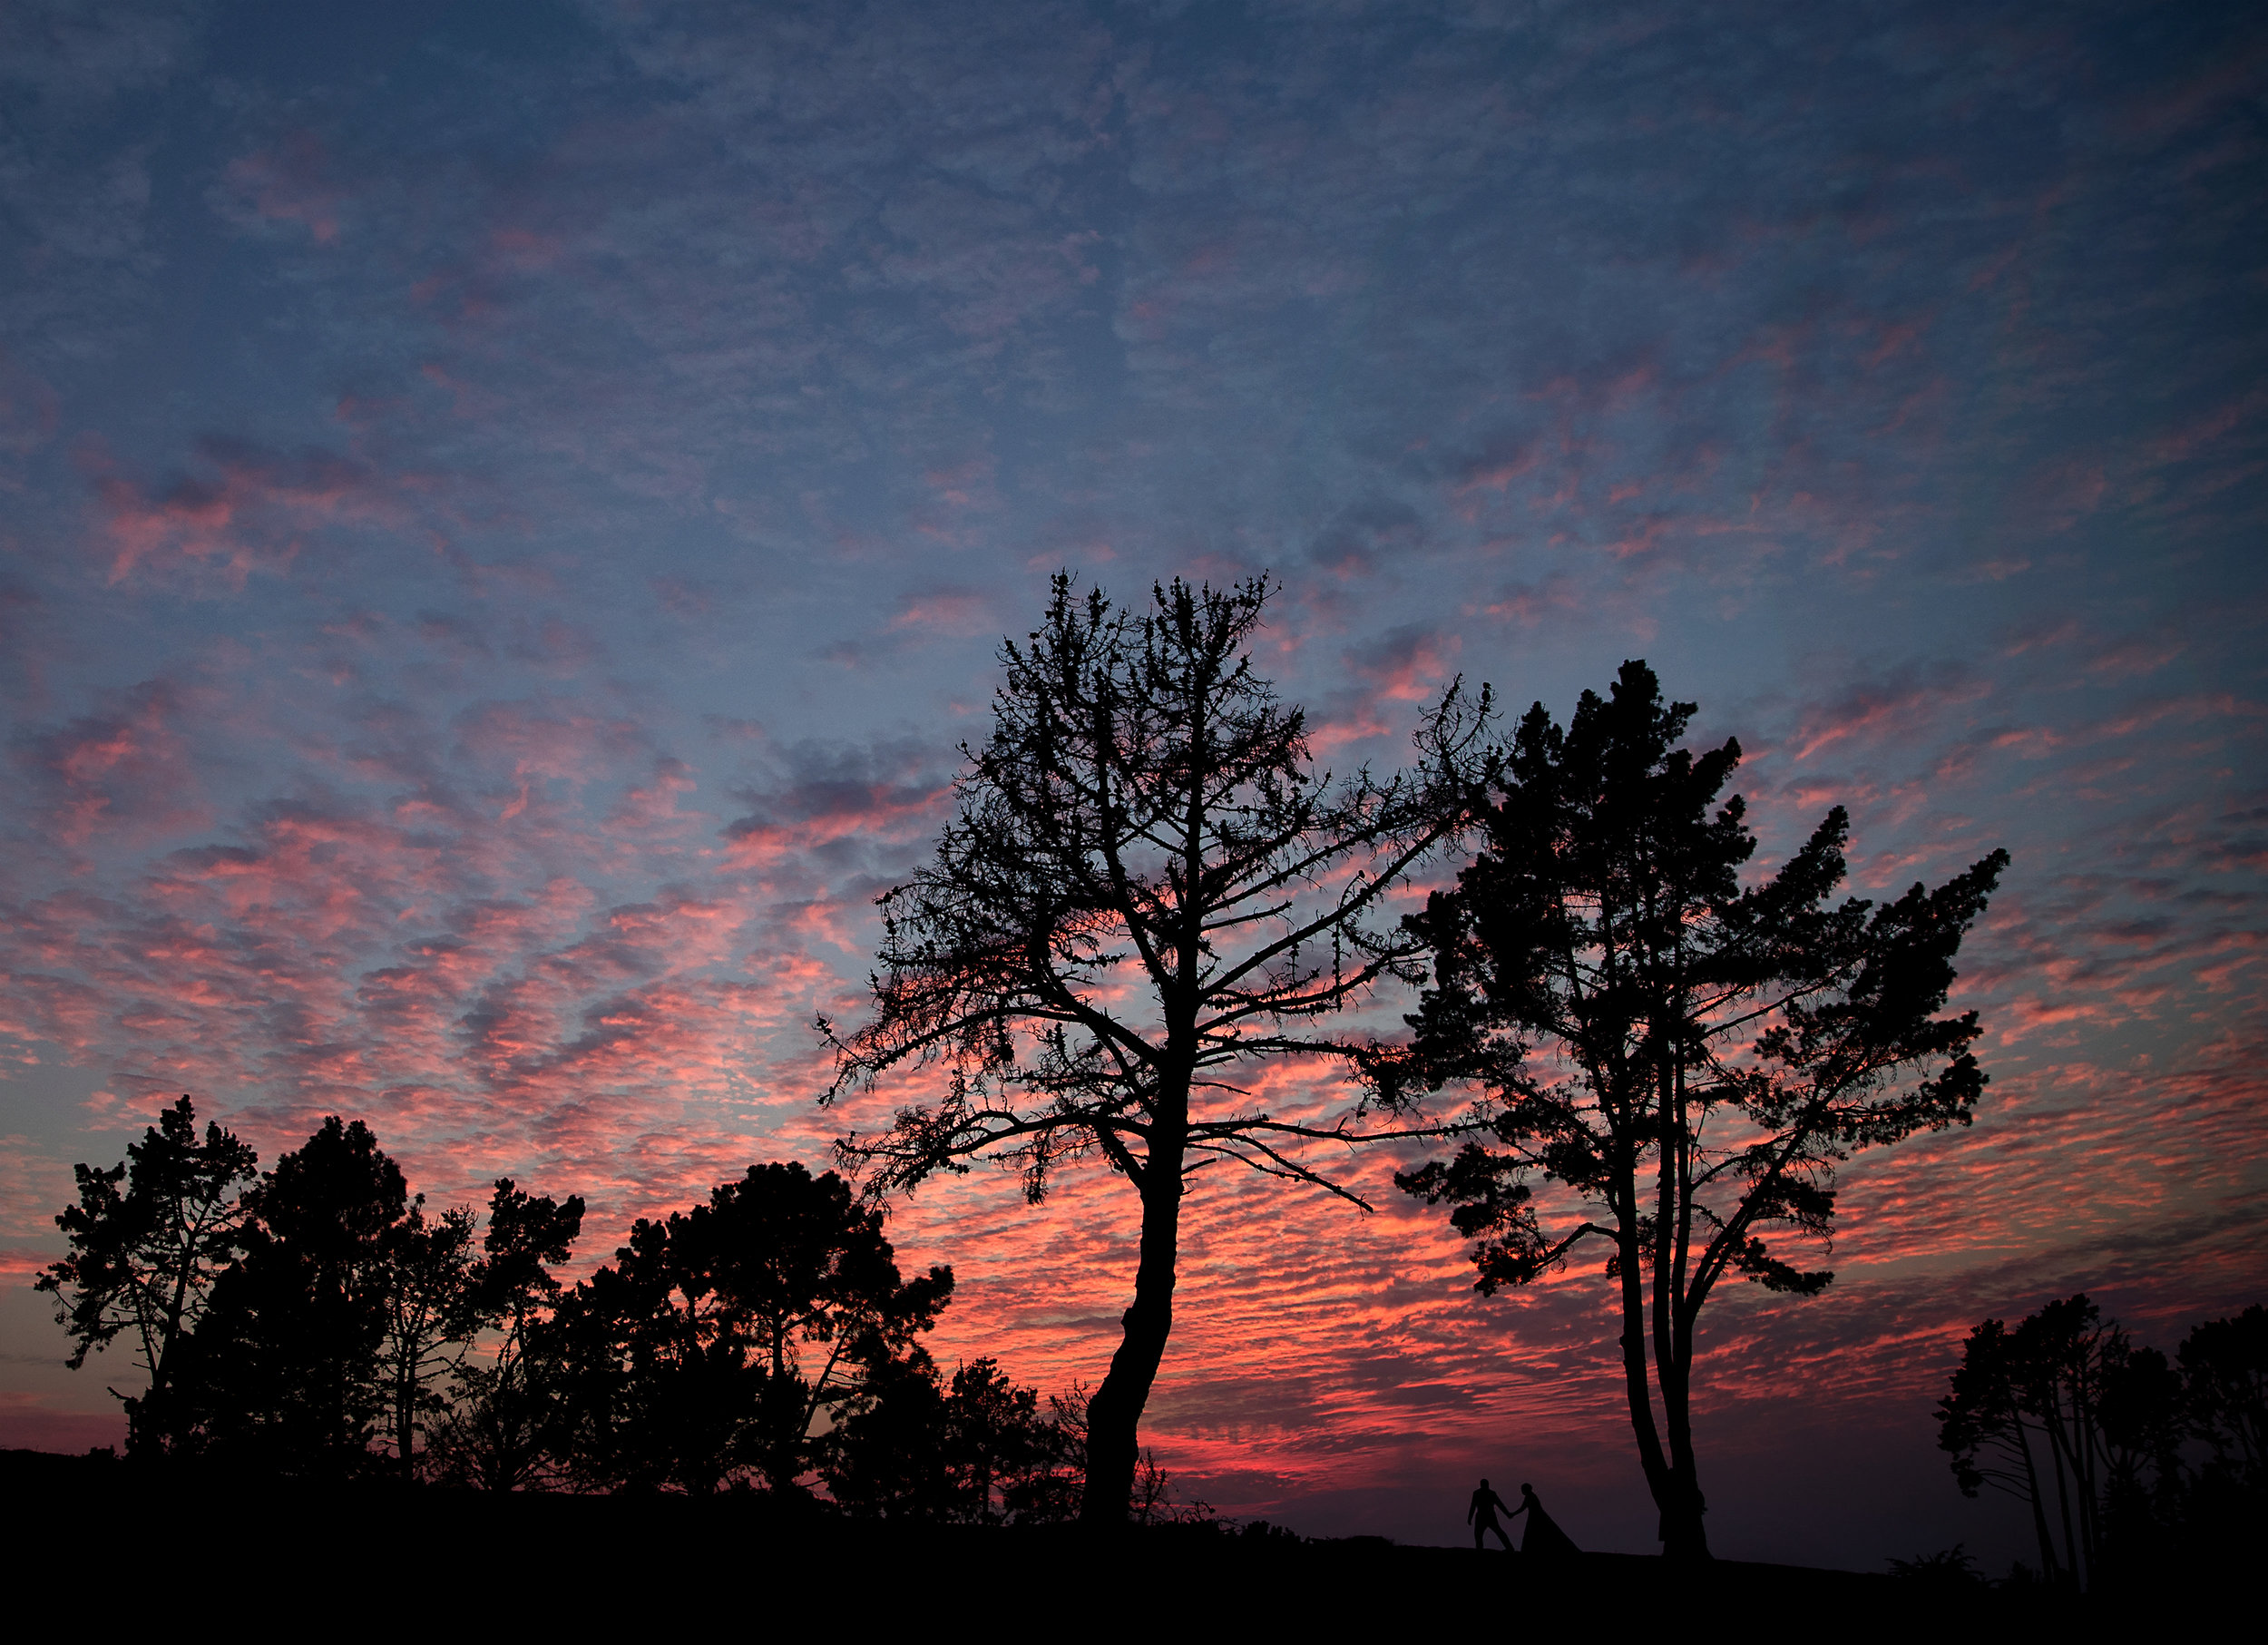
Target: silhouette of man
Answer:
[[1481, 1517]]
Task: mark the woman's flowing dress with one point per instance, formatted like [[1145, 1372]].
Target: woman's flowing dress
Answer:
[[1543, 1534]]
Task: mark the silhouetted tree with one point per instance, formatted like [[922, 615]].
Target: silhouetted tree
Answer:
[[889, 1458], [283, 1373], [2143, 1420], [1690, 1058], [1983, 1424], [1146, 884], [504, 1423], [2223, 1517], [687, 1360], [2066, 1413], [975, 1449], [663, 1387], [996, 1438], [810, 1276], [1049, 1487], [284, 1369], [143, 1260], [432, 1313], [2224, 1371]]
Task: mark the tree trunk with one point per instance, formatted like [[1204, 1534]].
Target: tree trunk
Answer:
[[1683, 1534], [1116, 1411], [1662, 1476], [2047, 1569], [406, 1424], [1677, 1488], [1679, 1499]]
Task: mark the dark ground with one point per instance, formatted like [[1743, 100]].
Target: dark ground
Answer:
[[388, 1557]]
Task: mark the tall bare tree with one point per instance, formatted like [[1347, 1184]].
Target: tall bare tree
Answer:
[[1148, 887]]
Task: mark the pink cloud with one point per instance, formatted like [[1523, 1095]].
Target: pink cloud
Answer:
[[1410, 665], [958, 613], [249, 511], [1896, 707], [126, 772], [889, 795], [1556, 596]]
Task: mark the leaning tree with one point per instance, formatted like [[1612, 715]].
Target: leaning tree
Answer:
[[144, 1259], [1687, 1059], [2064, 1411], [1147, 886]]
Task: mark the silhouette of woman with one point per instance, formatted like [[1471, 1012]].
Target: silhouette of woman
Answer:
[[1543, 1535], [1481, 1517]]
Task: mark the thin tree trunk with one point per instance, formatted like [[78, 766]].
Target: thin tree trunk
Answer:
[[1635, 1375], [2040, 1505], [2063, 1496], [1678, 1497], [2083, 1428], [406, 1420], [1115, 1413]]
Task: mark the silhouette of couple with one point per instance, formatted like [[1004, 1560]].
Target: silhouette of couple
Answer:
[[1543, 1535]]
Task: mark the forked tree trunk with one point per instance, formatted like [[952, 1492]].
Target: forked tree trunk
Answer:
[[1672, 1478], [1115, 1413], [2048, 1567], [1684, 1535]]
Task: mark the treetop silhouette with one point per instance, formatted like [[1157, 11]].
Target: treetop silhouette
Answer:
[[432, 1312], [285, 1373], [720, 1332], [2065, 1411], [2224, 1367], [506, 1423], [1146, 885], [1689, 1059], [144, 1259]]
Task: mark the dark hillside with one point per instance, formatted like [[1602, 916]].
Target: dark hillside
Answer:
[[415, 1555]]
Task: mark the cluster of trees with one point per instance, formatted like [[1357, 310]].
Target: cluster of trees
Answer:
[[1149, 891], [317, 1321], [2123, 1456]]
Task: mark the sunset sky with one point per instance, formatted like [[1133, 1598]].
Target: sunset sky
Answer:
[[506, 512]]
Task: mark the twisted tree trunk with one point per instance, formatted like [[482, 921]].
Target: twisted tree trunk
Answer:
[[1113, 1446]]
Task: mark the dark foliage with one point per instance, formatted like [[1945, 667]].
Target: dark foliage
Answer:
[[283, 1374], [1687, 1058], [432, 1313], [505, 1424], [912, 1446], [1146, 885], [2224, 1371], [719, 1334], [1949, 1571], [2097, 1437], [765, 1336], [143, 1259]]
